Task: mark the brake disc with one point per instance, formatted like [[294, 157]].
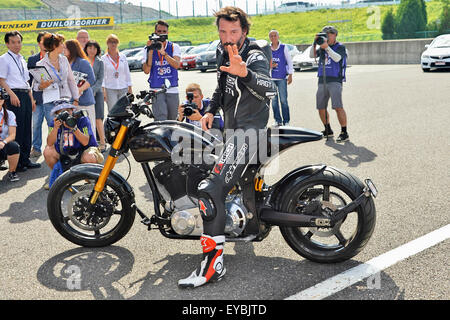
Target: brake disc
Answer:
[[79, 215], [325, 232]]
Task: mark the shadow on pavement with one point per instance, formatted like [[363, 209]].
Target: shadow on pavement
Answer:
[[353, 155], [100, 271]]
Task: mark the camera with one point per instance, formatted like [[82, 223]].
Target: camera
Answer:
[[321, 38], [157, 41], [190, 106], [71, 120], [3, 94]]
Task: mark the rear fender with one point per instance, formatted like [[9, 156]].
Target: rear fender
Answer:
[[290, 179]]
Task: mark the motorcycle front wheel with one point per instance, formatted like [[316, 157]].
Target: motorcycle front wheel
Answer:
[[331, 190], [99, 225]]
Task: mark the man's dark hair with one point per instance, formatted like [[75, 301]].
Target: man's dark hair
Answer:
[[233, 14], [162, 23], [40, 35], [12, 34]]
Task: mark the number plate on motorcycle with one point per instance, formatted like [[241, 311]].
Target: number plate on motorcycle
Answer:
[[371, 187]]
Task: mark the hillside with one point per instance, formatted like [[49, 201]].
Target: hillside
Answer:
[[29, 4], [357, 24]]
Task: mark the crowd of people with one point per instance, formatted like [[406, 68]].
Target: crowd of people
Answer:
[[79, 74], [79, 82]]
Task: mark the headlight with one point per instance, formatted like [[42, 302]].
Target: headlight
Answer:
[[425, 56]]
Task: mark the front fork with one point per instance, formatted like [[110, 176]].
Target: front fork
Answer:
[[110, 163]]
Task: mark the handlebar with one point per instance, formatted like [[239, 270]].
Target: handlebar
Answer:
[[146, 96]]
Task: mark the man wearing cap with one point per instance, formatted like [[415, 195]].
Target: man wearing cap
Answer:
[[77, 143], [333, 54]]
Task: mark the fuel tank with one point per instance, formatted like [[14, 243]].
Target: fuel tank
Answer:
[[172, 140]]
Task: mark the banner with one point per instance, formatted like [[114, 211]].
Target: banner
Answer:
[[30, 25]]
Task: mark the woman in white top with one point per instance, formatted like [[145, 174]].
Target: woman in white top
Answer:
[[9, 149], [60, 71], [117, 77]]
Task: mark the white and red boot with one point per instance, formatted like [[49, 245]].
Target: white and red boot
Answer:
[[211, 268]]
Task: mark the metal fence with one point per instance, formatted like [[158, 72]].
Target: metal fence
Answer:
[[164, 9]]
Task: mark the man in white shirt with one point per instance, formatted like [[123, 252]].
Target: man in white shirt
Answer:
[[14, 78], [163, 65], [282, 67]]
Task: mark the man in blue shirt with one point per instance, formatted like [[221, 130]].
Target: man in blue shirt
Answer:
[[78, 143], [282, 68], [201, 108], [333, 55], [163, 65]]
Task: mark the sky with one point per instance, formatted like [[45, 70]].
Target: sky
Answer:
[[185, 6]]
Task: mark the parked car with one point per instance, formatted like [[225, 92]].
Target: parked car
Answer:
[[437, 54], [188, 59], [186, 49], [207, 59], [134, 57], [293, 51], [302, 61]]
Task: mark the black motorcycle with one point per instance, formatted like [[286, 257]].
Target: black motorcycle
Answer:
[[324, 214]]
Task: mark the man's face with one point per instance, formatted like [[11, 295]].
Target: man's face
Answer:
[[161, 29], [197, 98], [83, 38], [15, 44], [331, 38], [230, 32], [274, 37]]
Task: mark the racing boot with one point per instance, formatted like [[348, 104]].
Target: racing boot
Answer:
[[211, 268]]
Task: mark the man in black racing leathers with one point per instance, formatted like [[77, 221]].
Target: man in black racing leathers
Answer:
[[243, 92]]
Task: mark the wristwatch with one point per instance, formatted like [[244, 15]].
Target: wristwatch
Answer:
[[74, 129]]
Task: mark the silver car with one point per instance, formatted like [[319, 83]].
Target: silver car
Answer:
[[302, 61], [437, 54]]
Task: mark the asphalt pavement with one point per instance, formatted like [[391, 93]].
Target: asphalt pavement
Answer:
[[399, 137]]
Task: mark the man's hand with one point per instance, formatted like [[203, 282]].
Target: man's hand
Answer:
[[14, 100], [289, 79], [180, 112], [33, 105], [207, 121], [56, 124], [237, 66], [324, 45], [196, 116]]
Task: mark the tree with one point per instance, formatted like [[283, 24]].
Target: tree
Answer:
[[410, 18], [444, 18], [388, 25]]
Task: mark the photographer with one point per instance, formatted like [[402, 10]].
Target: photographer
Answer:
[[333, 54], [194, 108], [71, 138], [9, 149], [162, 62]]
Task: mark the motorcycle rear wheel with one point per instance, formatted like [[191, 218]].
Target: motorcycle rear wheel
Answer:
[[67, 205], [333, 189]]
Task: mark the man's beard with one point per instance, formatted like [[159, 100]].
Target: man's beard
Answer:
[[238, 43]]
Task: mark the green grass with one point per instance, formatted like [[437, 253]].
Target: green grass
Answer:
[[29, 4], [295, 28]]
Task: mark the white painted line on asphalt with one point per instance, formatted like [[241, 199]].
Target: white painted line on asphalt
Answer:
[[373, 266]]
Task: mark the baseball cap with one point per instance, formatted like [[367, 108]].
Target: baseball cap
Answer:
[[330, 29], [59, 105]]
